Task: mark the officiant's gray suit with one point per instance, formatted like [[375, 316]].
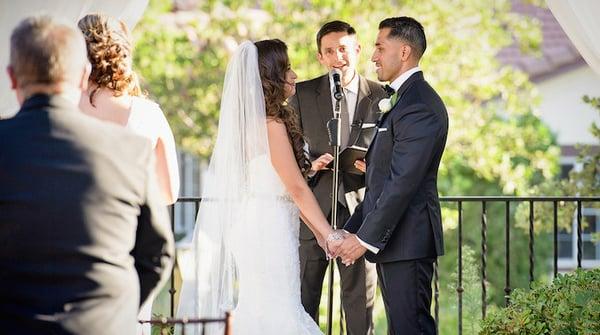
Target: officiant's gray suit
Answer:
[[313, 102]]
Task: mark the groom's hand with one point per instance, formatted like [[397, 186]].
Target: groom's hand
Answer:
[[351, 250]]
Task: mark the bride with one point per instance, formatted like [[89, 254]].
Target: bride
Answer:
[[245, 242]]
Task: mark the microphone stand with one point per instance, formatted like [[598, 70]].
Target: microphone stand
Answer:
[[333, 129]]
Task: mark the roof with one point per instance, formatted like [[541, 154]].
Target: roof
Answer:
[[558, 53]]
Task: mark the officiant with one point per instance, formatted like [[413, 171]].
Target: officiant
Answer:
[[338, 50]]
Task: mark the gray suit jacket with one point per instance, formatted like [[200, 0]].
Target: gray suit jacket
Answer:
[[84, 237], [313, 103]]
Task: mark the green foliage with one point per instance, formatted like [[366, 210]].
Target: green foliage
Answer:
[[570, 305], [182, 58], [471, 297], [496, 144], [581, 182]]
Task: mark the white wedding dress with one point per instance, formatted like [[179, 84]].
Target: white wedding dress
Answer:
[[266, 255], [245, 243]]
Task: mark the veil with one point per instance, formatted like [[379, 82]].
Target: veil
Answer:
[[242, 136]]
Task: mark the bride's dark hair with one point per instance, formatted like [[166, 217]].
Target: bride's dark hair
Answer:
[[273, 63]]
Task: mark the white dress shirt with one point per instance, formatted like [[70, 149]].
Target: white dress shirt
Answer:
[[395, 85]]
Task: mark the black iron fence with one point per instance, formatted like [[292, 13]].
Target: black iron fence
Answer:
[[166, 325], [458, 202]]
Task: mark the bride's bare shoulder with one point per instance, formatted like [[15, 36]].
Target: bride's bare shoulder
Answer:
[[275, 126]]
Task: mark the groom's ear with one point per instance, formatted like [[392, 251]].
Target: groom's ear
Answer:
[[406, 52]]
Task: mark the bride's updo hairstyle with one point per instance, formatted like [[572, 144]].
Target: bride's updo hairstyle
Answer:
[[110, 53], [273, 63]]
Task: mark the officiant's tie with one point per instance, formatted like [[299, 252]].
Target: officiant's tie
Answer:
[[345, 117]]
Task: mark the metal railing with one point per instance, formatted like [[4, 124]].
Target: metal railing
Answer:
[[166, 324], [458, 202], [507, 200]]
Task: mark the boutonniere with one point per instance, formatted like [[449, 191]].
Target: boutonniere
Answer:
[[385, 105]]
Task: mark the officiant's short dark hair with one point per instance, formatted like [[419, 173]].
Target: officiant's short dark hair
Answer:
[[407, 29], [334, 27]]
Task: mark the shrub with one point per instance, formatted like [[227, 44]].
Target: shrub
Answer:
[[569, 305]]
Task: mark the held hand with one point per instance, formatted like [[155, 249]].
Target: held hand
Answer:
[[351, 250], [321, 162], [360, 165], [326, 243], [334, 241], [323, 244]]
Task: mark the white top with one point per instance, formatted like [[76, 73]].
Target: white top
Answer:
[[148, 120]]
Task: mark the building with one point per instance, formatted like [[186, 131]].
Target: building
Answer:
[[562, 78]]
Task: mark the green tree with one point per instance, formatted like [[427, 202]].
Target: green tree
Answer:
[[496, 144], [583, 181]]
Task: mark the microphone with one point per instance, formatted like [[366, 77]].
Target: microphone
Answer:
[[337, 83]]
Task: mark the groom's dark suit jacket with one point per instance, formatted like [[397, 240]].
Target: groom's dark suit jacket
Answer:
[[400, 214], [84, 234]]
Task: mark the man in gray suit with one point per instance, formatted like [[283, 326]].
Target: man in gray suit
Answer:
[[84, 237], [338, 48]]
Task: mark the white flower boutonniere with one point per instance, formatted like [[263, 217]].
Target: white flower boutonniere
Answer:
[[385, 105]]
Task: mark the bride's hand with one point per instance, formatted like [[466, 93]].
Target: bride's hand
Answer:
[[322, 241], [334, 241]]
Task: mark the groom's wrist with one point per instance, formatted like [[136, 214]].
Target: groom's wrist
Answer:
[[367, 246]]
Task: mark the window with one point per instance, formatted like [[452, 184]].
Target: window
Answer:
[[190, 167], [565, 169], [567, 241]]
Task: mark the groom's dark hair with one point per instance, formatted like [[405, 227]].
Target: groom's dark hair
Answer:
[[334, 27], [407, 29]]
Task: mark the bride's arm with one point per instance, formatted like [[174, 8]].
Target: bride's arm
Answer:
[[284, 162]]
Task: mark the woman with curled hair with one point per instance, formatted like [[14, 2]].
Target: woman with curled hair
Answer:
[[114, 95]]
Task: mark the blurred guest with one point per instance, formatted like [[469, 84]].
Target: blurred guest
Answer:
[[114, 95], [84, 233]]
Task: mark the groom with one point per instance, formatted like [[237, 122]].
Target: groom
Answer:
[[399, 223]]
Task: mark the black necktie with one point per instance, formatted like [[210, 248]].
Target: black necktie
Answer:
[[389, 90]]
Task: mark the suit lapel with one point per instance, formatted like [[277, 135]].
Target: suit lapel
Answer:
[[363, 105], [418, 76], [324, 104]]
